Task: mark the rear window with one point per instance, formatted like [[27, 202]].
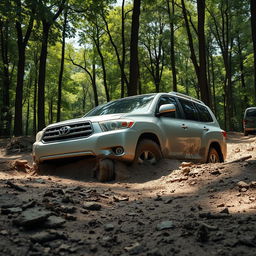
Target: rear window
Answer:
[[250, 113], [204, 114], [189, 110]]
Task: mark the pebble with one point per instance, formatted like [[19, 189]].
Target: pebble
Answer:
[[92, 206], [165, 225]]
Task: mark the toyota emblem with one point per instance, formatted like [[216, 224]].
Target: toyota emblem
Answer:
[[64, 130]]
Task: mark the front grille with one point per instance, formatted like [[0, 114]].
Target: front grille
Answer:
[[67, 132]]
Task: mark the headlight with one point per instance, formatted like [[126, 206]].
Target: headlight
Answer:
[[115, 125], [39, 135]]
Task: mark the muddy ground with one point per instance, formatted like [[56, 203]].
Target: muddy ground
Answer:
[[166, 209]]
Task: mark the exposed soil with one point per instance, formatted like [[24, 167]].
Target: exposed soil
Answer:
[[168, 209]]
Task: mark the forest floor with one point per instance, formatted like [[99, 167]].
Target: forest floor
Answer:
[[168, 209]]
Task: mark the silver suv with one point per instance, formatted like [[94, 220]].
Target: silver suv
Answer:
[[140, 129]]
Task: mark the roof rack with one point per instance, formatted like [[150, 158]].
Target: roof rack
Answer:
[[187, 97]]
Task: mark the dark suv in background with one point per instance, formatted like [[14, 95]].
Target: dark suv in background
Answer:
[[249, 122]]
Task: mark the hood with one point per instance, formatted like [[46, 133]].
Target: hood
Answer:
[[89, 118]]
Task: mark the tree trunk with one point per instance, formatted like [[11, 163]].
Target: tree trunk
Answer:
[[173, 60], [134, 62], [19, 90], [253, 28], [5, 117], [203, 83], [61, 67], [123, 50], [41, 77]]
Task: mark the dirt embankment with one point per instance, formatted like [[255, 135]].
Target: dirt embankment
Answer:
[[168, 209]]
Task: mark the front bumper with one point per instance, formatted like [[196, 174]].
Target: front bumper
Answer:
[[98, 144]]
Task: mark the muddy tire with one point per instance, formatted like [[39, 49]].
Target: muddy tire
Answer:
[[105, 171], [147, 152], [213, 156]]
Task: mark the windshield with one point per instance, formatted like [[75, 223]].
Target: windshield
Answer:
[[127, 105], [251, 113]]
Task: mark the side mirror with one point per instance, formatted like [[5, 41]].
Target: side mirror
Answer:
[[166, 108]]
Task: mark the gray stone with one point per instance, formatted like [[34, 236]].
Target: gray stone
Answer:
[[109, 226], [165, 225], [32, 217], [54, 222], [42, 237], [11, 210], [92, 206], [134, 249]]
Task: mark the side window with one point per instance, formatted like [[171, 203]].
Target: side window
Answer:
[[169, 100], [204, 114], [189, 110]]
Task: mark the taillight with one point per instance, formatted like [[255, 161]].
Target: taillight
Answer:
[[224, 133]]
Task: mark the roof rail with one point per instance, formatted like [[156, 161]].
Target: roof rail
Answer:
[[187, 97]]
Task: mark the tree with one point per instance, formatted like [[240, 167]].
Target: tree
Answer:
[[22, 41], [48, 18], [134, 62]]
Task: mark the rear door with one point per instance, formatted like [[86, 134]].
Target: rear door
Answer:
[[192, 130]]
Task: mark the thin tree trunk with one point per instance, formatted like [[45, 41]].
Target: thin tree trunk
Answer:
[[5, 117], [172, 52], [134, 61], [253, 28], [41, 77], [61, 67], [123, 49], [203, 83]]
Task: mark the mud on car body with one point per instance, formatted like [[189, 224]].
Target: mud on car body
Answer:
[[143, 128]]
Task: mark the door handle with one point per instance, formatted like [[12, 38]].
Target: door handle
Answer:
[[184, 126], [206, 129]]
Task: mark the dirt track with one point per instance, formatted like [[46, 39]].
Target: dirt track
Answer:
[[160, 210]]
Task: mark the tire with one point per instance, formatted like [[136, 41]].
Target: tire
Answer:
[[147, 152], [213, 156], [105, 171]]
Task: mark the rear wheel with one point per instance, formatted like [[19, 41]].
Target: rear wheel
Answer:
[[147, 152], [105, 171], [213, 156]]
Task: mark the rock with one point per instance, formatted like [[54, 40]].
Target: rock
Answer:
[[70, 217], [243, 189], [237, 150], [202, 234], [28, 205], [54, 222], [120, 199], [11, 210], [20, 162], [215, 172], [4, 232], [92, 206], [168, 201], [134, 249], [109, 227], [67, 209], [31, 218], [209, 215], [225, 210], [253, 184], [209, 227], [185, 171], [42, 237], [186, 164], [165, 225], [242, 184], [250, 149]]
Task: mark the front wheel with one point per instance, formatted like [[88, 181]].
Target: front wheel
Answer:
[[105, 171], [213, 156], [147, 152]]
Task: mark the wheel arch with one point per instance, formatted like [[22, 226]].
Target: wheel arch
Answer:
[[149, 136], [217, 147]]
